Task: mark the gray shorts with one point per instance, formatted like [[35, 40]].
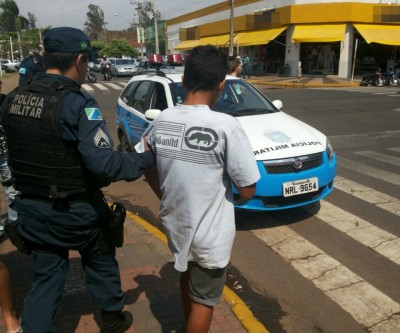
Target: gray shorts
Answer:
[[206, 285]]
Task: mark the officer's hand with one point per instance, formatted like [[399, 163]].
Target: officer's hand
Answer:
[[146, 145]]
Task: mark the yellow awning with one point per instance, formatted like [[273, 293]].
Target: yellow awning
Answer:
[[380, 33], [221, 40], [187, 44], [257, 37], [317, 33]]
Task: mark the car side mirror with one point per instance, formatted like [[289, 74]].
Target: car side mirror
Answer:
[[278, 104], [152, 114]]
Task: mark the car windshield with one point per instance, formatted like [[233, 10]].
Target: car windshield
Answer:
[[124, 62], [238, 99]]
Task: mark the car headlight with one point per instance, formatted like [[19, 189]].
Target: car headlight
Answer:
[[329, 149]]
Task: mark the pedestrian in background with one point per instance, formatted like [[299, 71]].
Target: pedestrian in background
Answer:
[[31, 65], [210, 151], [246, 66], [235, 67], [61, 155], [6, 299]]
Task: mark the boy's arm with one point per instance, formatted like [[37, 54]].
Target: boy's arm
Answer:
[[247, 192]]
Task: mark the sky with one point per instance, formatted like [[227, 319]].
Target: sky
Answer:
[[72, 13]]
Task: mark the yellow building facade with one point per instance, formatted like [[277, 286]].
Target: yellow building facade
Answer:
[[324, 37]]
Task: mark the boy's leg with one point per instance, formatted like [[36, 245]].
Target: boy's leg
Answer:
[[200, 318], [201, 290]]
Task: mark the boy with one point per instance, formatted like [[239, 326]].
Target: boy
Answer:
[[199, 154]]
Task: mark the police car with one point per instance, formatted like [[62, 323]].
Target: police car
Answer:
[[296, 161]]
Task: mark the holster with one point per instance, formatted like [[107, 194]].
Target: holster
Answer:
[[112, 230], [15, 238]]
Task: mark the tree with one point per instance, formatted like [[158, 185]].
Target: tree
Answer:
[[95, 22], [10, 20], [117, 48], [145, 13], [32, 21]]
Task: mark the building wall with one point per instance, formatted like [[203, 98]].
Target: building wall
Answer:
[[252, 15]]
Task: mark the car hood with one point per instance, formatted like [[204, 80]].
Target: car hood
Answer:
[[278, 135]]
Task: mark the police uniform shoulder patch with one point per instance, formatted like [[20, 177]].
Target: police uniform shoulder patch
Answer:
[[101, 139], [93, 114]]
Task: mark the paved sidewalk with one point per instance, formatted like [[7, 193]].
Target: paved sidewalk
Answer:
[[305, 81], [148, 278]]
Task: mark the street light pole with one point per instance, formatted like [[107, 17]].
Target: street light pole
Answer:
[[140, 34], [156, 28], [231, 29]]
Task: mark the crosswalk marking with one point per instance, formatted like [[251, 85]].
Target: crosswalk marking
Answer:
[[385, 243], [367, 194], [100, 86], [383, 175], [380, 157], [364, 302], [114, 86]]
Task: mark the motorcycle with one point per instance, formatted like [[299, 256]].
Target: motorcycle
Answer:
[[392, 78], [106, 71], [91, 77], [377, 78]]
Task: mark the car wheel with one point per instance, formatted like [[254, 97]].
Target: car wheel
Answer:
[[125, 144]]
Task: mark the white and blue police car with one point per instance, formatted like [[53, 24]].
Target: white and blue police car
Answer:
[[296, 161]]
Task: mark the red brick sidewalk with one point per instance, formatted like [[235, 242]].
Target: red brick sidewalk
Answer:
[[148, 278]]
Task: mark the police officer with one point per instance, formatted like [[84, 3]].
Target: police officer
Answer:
[[61, 154], [30, 66]]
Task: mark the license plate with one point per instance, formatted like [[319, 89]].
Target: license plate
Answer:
[[300, 186]]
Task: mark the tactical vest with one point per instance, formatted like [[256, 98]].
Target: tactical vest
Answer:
[[40, 161]]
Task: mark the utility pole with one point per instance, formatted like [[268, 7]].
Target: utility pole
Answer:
[[140, 34], [156, 27], [231, 28]]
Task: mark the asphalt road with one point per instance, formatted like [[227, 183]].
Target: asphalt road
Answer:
[[331, 267]]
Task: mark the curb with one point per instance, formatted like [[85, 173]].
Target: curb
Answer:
[[240, 309], [302, 85]]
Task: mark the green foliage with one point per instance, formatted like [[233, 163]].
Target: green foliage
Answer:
[[117, 48], [10, 20], [95, 21]]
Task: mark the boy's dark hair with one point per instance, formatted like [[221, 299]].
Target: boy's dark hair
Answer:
[[62, 60], [205, 69]]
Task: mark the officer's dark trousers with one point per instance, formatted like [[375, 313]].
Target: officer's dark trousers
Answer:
[[50, 263]]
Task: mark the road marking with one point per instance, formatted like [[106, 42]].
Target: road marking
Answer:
[[114, 86], [384, 243], [367, 194], [380, 157], [386, 176], [87, 87], [100, 86], [364, 302], [396, 149]]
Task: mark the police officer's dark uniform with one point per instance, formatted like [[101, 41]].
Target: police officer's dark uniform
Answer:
[[61, 155], [30, 66]]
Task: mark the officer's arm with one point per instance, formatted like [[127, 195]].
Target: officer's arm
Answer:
[[95, 145]]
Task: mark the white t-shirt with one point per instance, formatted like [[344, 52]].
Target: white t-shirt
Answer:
[[199, 152]]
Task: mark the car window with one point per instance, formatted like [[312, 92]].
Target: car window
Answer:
[[127, 93], [159, 99], [124, 62], [241, 99], [140, 98], [178, 92]]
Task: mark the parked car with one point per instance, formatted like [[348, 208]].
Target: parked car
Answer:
[[297, 162], [8, 66], [94, 66], [123, 67]]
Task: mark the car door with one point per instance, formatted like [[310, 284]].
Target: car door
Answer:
[[134, 101]]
